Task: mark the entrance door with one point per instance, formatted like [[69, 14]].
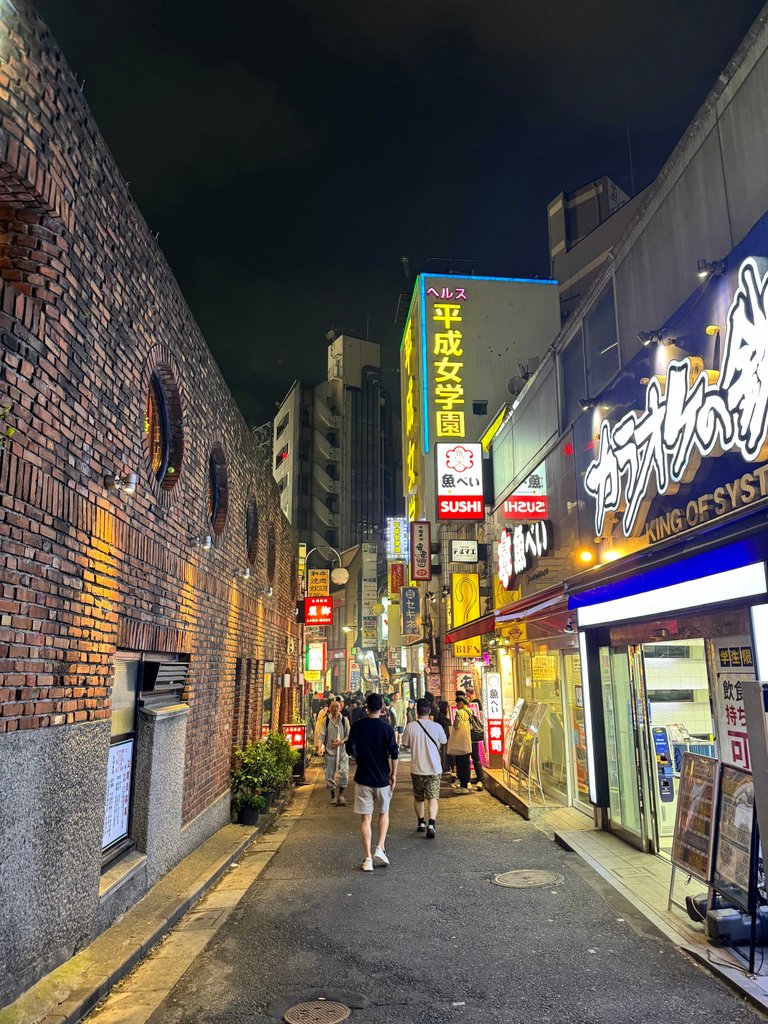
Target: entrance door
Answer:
[[624, 708]]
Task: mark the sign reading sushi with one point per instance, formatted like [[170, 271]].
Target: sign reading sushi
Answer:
[[689, 415], [459, 481]]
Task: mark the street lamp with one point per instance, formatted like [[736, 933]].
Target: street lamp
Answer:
[[339, 575]]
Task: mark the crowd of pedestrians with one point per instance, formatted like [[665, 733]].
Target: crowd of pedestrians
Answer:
[[372, 730]]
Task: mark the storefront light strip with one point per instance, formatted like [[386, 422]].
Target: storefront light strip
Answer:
[[760, 635], [746, 581], [585, 696], [426, 412]]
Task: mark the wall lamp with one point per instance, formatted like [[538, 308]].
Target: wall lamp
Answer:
[[587, 403], [655, 338], [242, 574], [205, 542], [569, 627], [266, 592], [710, 268], [126, 484]]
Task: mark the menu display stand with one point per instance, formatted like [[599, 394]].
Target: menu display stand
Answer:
[[521, 755], [693, 837]]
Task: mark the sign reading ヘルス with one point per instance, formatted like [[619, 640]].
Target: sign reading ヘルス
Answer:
[[691, 416], [459, 481]]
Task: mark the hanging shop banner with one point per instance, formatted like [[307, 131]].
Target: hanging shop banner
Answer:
[[529, 500], [734, 665], [396, 579], [296, 735], [686, 440], [302, 561], [318, 611], [394, 635], [695, 817], [353, 675], [369, 628], [734, 836], [318, 583], [421, 551], [316, 657], [465, 598], [410, 608], [119, 766], [459, 481], [471, 648], [397, 539]]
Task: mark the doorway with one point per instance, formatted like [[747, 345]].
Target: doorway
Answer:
[[656, 704]]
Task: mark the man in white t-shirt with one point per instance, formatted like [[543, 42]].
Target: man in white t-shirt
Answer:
[[424, 738]]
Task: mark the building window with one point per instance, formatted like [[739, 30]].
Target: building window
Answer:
[[271, 553], [282, 484], [121, 760], [163, 427], [573, 383], [480, 408], [218, 490], [601, 343], [281, 426], [252, 529], [281, 456]]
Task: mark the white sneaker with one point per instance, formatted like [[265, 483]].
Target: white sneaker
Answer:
[[469, 787], [456, 785], [367, 864], [479, 785], [380, 857]]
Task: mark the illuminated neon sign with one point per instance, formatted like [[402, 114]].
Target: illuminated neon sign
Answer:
[[459, 481], [519, 548], [687, 415]]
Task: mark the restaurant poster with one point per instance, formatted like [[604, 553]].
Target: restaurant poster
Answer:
[[734, 664], [692, 841], [118, 801], [734, 838]]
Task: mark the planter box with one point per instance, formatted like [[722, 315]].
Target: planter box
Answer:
[[248, 816]]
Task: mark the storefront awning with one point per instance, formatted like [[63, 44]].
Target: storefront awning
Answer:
[[533, 606], [485, 624]]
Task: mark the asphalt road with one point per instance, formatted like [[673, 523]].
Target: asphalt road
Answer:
[[430, 938]]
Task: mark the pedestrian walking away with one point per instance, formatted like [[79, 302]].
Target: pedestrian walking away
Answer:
[[424, 738], [460, 745], [372, 743], [334, 733], [397, 707]]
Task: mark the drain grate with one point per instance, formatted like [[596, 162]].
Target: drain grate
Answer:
[[319, 1011], [527, 878]]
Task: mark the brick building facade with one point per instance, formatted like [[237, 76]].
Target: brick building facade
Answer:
[[104, 374]]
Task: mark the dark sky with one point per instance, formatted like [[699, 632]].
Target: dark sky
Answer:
[[289, 152]]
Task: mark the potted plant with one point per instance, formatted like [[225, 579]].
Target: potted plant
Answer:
[[247, 781], [282, 758]]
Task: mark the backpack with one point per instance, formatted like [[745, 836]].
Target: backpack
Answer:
[[476, 731]]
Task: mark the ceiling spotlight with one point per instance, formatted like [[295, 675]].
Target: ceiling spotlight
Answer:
[[126, 484], [710, 268], [650, 337], [587, 403], [205, 542], [243, 574], [586, 556]]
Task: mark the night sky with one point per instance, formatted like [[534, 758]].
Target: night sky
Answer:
[[290, 152]]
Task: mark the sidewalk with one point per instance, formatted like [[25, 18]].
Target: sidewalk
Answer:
[[68, 993]]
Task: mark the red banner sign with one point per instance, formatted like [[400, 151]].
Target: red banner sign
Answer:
[[296, 735], [318, 611], [396, 579]]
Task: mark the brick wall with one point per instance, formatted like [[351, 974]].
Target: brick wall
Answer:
[[88, 308]]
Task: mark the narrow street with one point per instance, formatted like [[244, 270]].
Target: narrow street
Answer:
[[430, 938]]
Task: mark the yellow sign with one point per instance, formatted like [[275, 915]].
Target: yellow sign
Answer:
[[448, 365], [318, 583], [544, 668], [411, 422], [468, 648], [517, 632], [501, 597], [312, 675], [302, 560], [465, 597]]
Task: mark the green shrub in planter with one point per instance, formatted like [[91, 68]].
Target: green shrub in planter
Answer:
[[282, 757], [249, 776]]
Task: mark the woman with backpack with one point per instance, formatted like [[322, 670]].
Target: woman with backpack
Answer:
[[460, 745]]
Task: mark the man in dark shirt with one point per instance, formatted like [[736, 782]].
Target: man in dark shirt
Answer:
[[372, 743]]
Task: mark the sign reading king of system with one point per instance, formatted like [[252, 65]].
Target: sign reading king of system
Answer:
[[459, 481]]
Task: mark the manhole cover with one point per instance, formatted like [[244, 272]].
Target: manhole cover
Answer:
[[527, 878], [319, 1011]]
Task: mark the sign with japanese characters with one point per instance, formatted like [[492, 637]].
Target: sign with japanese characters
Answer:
[[464, 551], [693, 413], [518, 549], [318, 582], [421, 551], [529, 500], [695, 815], [318, 611], [396, 579], [315, 658], [296, 735], [397, 539], [118, 801], [494, 717], [410, 608], [412, 413], [459, 481], [445, 316], [733, 854], [734, 664]]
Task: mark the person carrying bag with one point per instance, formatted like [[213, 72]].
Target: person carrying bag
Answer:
[[460, 745]]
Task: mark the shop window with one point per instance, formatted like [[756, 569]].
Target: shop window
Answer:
[[601, 343], [121, 760], [252, 529], [281, 426], [163, 427], [218, 490], [573, 384], [281, 456]]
